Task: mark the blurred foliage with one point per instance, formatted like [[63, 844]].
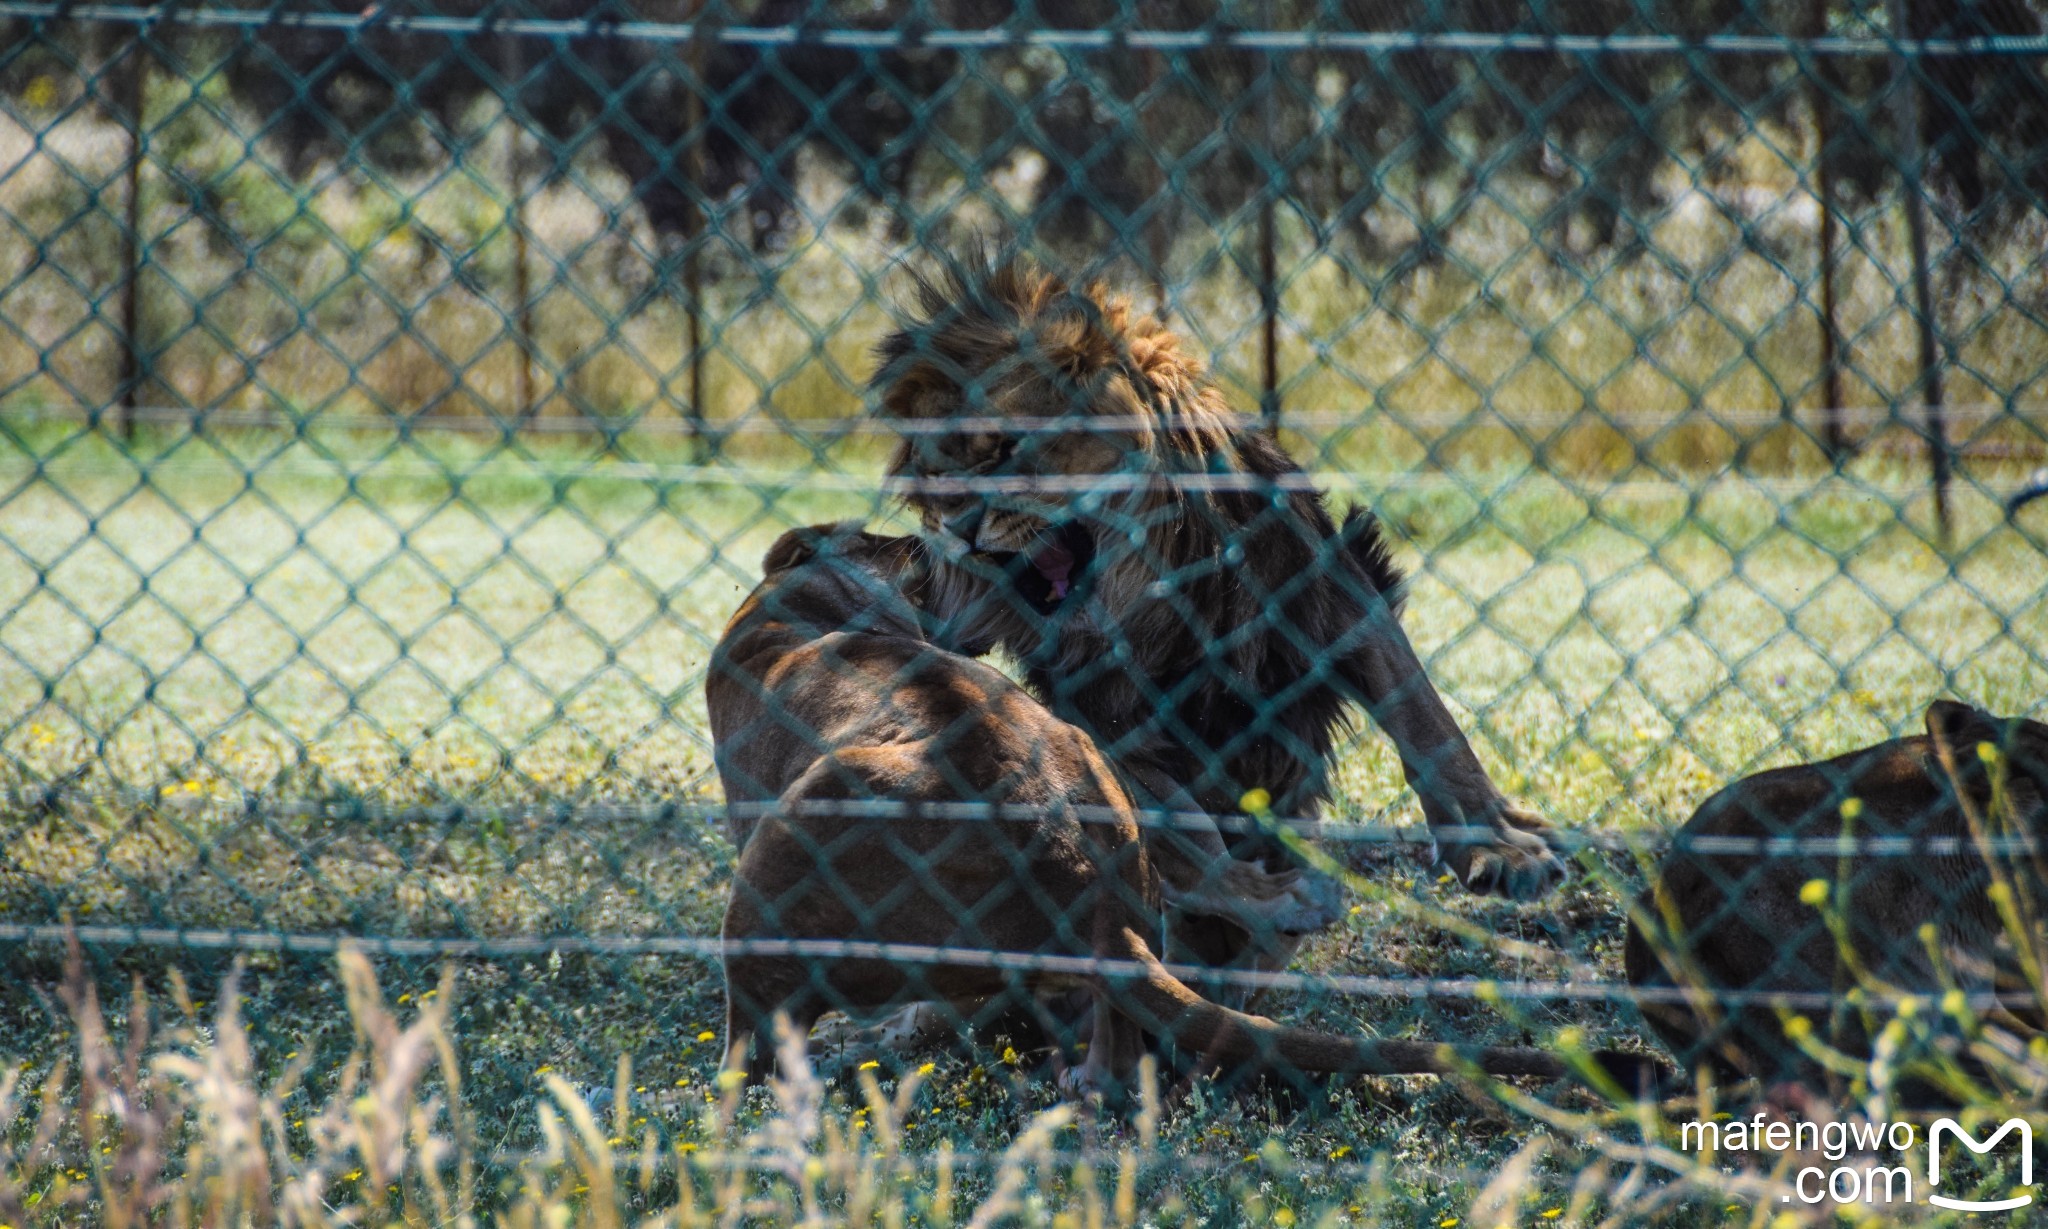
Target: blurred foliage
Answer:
[[711, 132]]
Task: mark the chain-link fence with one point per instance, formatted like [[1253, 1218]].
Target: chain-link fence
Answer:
[[396, 403]]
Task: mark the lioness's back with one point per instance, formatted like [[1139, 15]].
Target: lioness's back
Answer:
[[1747, 918], [867, 753]]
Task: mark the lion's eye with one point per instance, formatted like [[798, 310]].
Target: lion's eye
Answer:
[[997, 461]]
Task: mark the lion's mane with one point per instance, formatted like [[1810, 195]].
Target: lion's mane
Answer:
[[1215, 642]]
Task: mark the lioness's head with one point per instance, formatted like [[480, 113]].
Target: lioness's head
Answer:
[[1033, 416], [1998, 763], [837, 578]]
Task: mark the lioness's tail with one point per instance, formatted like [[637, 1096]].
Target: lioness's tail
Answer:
[[1168, 1006]]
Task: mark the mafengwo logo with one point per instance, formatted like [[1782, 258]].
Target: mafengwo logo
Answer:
[[1949, 1126], [1870, 1183]]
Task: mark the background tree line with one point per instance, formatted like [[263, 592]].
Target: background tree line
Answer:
[[710, 131]]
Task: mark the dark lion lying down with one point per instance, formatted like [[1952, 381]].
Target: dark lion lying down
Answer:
[[1918, 920], [825, 696]]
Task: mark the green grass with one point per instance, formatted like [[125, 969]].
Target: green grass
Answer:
[[222, 617], [248, 670]]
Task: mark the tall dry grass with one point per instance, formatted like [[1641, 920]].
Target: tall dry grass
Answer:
[[179, 1123]]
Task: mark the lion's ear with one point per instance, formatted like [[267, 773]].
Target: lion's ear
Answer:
[[804, 544], [2021, 747], [801, 545], [1960, 727], [1077, 351], [920, 390], [792, 548], [1963, 732]]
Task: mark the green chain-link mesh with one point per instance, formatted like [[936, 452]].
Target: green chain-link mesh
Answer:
[[395, 402]]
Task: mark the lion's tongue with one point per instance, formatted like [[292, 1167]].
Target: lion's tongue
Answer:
[[1056, 564]]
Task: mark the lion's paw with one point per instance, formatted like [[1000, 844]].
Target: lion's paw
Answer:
[[1314, 902], [1084, 1083], [1519, 863]]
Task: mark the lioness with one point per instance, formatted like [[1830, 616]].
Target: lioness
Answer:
[[1164, 571], [1735, 919], [825, 695]]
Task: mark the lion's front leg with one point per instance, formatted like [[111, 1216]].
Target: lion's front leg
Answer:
[[1494, 847]]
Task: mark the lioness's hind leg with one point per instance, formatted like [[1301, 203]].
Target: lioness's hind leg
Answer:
[[1115, 1045], [751, 1036], [759, 990], [739, 1044]]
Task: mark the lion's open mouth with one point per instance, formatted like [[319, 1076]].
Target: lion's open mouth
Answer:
[[1049, 572]]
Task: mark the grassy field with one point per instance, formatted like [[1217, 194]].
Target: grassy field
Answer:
[[228, 615], [189, 1123], [369, 292], [259, 665]]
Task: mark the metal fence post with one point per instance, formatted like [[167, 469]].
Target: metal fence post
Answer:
[[694, 227], [1269, 289], [1906, 110], [1820, 88], [133, 101], [513, 69]]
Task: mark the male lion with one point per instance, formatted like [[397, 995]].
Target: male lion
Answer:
[[1915, 904], [1163, 570], [825, 700]]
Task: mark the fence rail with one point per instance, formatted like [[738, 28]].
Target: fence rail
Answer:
[[1006, 37]]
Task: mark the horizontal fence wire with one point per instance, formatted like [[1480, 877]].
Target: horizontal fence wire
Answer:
[[1909, 438], [917, 35], [711, 949], [1337, 830]]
